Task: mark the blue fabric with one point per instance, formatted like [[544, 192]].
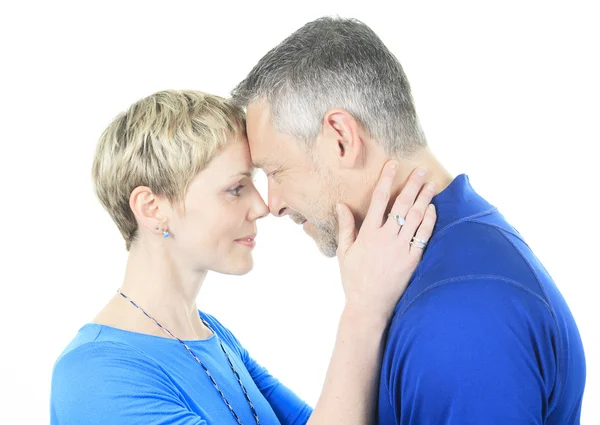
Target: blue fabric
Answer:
[[482, 335], [112, 376]]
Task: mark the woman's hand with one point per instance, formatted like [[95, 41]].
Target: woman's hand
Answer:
[[377, 265]]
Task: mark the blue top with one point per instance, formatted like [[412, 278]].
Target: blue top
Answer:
[[482, 335], [112, 376]]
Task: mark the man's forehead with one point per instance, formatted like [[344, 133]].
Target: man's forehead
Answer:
[[258, 117], [258, 151], [259, 132], [268, 147]]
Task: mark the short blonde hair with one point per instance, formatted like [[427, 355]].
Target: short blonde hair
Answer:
[[162, 141]]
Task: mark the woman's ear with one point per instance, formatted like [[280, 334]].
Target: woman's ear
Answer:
[[149, 209]]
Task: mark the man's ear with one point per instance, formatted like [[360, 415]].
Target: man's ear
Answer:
[[343, 134], [149, 209]]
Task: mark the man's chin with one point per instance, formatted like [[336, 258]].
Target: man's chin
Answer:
[[328, 251], [326, 243]]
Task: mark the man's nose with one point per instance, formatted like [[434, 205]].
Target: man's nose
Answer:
[[276, 204]]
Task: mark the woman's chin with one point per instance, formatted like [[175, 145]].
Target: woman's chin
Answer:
[[237, 267]]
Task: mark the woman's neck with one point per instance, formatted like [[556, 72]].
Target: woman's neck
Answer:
[[156, 283]]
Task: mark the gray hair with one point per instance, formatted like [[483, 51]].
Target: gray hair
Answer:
[[330, 63]]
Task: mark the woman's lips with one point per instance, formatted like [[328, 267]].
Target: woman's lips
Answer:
[[248, 241]]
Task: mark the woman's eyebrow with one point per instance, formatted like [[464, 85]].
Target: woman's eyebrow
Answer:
[[243, 173]]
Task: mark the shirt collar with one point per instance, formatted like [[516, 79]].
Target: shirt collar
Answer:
[[459, 200]]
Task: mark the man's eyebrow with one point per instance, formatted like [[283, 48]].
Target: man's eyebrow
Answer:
[[261, 164]]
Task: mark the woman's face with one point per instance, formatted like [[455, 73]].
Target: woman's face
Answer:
[[215, 228]]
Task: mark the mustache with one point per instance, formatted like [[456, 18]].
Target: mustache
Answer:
[[298, 219]]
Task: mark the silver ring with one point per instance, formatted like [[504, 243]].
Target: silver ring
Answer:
[[417, 245], [419, 241], [399, 219]]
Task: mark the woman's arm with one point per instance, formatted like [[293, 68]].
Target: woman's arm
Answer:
[[349, 393], [376, 267]]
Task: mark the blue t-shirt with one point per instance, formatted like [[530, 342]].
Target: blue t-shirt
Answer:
[[482, 335], [112, 376]]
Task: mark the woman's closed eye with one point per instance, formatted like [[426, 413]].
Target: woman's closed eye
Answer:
[[236, 191]]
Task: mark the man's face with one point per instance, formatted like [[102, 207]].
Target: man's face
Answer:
[[298, 186]]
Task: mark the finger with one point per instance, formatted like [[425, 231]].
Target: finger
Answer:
[[416, 213], [407, 197], [346, 229], [381, 196], [424, 233]]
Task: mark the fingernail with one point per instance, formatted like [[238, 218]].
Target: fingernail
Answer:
[[394, 165], [431, 207], [430, 186], [421, 171]]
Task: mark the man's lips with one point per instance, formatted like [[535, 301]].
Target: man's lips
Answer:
[[298, 220]]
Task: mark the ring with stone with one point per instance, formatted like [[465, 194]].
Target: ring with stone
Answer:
[[399, 219]]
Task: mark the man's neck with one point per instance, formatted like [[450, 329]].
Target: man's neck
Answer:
[[436, 173]]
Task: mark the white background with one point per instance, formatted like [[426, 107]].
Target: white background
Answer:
[[507, 92]]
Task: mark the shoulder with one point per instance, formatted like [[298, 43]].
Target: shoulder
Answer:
[[465, 293], [110, 382], [96, 358], [105, 372], [103, 364], [454, 318], [461, 298]]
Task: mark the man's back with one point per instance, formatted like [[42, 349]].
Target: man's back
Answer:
[[482, 335]]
